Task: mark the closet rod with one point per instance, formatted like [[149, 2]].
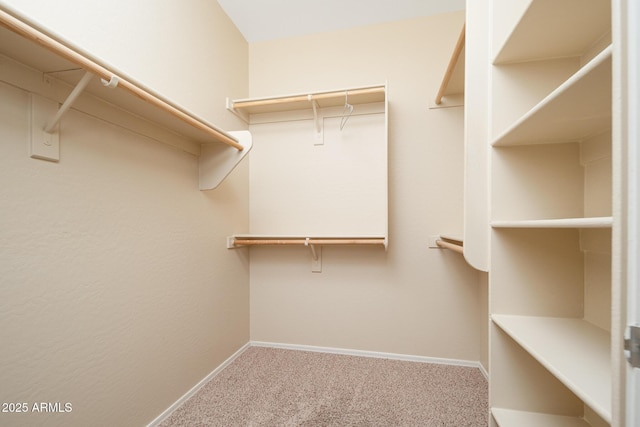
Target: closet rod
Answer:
[[310, 241], [450, 246], [455, 56], [314, 96], [25, 30]]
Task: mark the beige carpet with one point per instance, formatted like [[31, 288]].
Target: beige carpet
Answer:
[[275, 387]]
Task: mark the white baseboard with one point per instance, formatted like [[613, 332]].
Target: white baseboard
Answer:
[[163, 416], [376, 354], [331, 350], [484, 371]]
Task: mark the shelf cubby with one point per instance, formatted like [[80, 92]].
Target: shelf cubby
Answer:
[[513, 418], [573, 350], [553, 185], [571, 28], [576, 110]]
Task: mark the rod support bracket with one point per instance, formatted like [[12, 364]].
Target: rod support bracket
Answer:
[[316, 256], [112, 83], [66, 105], [318, 119]]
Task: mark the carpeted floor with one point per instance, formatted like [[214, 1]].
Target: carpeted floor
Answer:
[[276, 387]]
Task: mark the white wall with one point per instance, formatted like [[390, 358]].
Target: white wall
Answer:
[[411, 299], [117, 293]]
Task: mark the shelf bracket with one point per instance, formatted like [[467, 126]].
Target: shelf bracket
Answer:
[[230, 107], [43, 145], [317, 117], [216, 161], [45, 137], [75, 93], [316, 256]]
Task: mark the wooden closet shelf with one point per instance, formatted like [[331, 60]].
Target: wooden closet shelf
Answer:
[[355, 96], [254, 240]]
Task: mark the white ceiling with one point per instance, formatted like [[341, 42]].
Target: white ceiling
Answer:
[[261, 20]]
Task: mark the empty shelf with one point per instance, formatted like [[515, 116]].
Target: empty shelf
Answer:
[[576, 110], [511, 418], [595, 222], [526, 42], [573, 350]]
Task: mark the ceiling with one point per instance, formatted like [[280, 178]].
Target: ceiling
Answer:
[[262, 20]]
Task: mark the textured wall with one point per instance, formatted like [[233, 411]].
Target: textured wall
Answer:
[[412, 299], [117, 292]]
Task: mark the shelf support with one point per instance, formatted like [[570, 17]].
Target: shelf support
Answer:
[[316, 257], [314, 254], [75, 93], [229, 104], [318, 120], [216, 161]]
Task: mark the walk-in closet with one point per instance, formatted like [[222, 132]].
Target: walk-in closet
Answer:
[[238, 212]]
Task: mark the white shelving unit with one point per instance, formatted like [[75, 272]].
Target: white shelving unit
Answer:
[[318, 169], [549, 152]]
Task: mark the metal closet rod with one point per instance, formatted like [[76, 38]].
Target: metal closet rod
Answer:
[[27, 31]]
